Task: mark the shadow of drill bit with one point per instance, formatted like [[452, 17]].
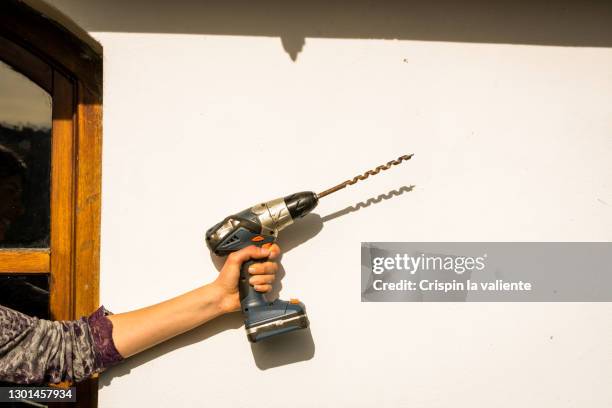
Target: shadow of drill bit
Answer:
[[368, 202]]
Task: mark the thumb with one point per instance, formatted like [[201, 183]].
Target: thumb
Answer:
[[251, 252]]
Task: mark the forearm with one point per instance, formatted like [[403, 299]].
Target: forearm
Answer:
[[138, 330]]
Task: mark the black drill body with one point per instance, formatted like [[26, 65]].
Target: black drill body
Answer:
[[259, 225]]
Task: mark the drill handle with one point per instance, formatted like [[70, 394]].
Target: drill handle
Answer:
[[249, 297]]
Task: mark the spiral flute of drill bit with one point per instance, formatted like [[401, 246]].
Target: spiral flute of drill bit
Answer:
[[365, 175]]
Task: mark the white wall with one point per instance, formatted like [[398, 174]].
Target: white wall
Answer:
[[511, 142]]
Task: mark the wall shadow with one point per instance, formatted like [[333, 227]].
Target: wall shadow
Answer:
[[286, 349], [298, 345], [211, 328], [274, 352], [364, 204], [289, 348], [277, 351], [293, 236], [539, 22]]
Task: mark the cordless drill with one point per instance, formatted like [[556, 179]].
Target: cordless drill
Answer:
[[260, 225]]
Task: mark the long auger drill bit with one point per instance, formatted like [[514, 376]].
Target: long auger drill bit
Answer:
[[365, 175]]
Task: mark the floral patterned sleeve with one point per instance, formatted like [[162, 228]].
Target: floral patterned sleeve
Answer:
[[34, 351]]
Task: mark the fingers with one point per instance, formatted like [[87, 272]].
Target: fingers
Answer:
[[250, 252], [261, 280], [263, 268], [271, 251], [263, 272], [274, 250], [263, 276]]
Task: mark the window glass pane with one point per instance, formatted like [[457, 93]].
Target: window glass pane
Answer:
[[27, 294], [25, 161], [20, 404]]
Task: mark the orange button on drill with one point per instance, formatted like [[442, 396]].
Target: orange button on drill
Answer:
[[294, 301], [257, 238]]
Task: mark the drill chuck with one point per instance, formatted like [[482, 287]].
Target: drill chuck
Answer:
[[300, 204]]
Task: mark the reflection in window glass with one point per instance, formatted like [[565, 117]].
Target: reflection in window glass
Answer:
[[25, 161], [27, 294], [20, 404]]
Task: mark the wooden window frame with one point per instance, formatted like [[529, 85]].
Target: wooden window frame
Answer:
[[71, 72]]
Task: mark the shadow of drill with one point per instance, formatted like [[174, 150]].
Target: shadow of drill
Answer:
[[299, 345]]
